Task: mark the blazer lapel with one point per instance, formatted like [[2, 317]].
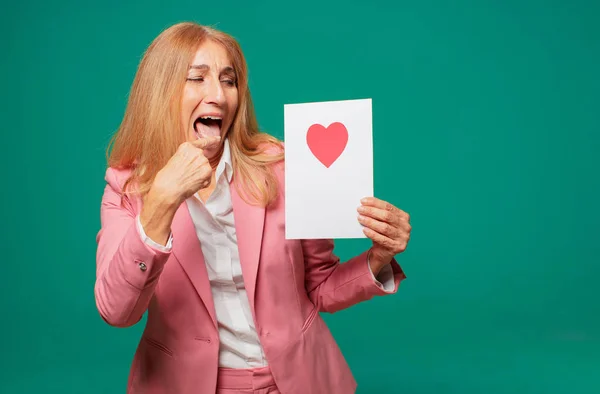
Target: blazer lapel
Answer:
[[249, 225], [187, 250]]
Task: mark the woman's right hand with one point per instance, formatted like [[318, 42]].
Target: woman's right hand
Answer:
[[186, 172]]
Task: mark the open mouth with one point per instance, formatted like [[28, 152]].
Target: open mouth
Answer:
[[208, 126]]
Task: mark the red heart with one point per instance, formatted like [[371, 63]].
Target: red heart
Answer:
[[327, 144]]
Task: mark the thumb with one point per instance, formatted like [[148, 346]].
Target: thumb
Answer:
[[206, 142]]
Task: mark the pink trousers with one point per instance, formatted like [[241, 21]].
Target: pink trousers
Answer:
[[246, 381]]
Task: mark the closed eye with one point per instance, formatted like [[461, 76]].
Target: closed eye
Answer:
[[197, 79]]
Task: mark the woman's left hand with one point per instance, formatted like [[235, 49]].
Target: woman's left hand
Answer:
[[387, 226]]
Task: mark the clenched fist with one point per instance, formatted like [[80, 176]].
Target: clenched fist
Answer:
[[187, 171]]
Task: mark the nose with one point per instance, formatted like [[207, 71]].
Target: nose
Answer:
[[214, 93]]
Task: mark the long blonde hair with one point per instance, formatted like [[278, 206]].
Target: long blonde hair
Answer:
[[151, 130]]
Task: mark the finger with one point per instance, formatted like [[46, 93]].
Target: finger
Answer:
[[206, 175], [380, 214], [377, 203], [205, 183], [204, 171], [381, 227], [206, 142], [386, 206], [392, 245]]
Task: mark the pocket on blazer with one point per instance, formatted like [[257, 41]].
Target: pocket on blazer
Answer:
[[159, 346]]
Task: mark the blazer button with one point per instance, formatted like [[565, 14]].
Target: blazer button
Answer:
[[143, 266]]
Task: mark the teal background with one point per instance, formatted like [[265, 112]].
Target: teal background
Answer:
[[486, 130]]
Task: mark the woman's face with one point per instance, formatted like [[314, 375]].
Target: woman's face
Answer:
[[210, 95]]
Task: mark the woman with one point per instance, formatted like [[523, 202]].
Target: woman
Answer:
[[192, 231]]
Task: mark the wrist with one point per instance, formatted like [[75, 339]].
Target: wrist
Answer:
[[156, 216], [377, 261], [161, 199], [158, 207]]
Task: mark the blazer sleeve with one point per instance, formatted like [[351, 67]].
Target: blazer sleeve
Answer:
[[127, 268], [333, 286]]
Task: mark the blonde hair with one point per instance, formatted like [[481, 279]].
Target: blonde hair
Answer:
[[151, 129]]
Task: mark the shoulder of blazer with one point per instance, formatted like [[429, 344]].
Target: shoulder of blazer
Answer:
[[271, 148], [116, 177], [279, 166]]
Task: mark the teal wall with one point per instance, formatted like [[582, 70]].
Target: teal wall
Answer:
[[487, 131]]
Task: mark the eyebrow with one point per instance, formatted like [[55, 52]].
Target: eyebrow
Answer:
[[204, 67]]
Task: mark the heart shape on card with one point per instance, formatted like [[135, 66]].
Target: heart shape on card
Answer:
[[327, 144]]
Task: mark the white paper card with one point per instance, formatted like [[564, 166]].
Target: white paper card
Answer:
[[328, 167]]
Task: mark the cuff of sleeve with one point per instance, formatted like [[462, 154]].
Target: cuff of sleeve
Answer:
[[141, 265], [163, 248], [385, 278]]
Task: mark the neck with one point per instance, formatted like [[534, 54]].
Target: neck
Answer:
[[214, 161]]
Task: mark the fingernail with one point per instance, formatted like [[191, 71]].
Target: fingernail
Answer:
[[364, 200]]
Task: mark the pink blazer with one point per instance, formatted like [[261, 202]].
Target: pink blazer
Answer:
[[288, 282]]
